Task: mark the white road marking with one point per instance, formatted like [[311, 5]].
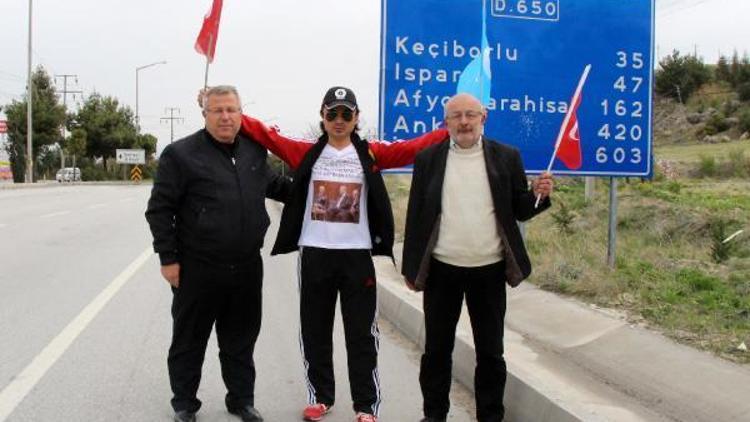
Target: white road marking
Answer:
[[14, 393], [55, 214]]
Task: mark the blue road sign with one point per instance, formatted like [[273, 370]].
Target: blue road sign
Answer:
[[537, 52]]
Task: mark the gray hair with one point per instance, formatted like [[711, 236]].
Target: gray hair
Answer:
[[220, 90]]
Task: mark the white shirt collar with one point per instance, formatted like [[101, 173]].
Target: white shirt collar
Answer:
[[477, 145]]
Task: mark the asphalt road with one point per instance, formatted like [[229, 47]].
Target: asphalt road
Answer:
[[85, 326]]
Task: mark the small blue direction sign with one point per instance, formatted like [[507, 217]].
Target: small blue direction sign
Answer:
[[534, 56]]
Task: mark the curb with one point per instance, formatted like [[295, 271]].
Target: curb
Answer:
[[50, 184], [523, 400]]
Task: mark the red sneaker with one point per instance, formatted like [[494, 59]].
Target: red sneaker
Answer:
[[315, 412], [366, 417]]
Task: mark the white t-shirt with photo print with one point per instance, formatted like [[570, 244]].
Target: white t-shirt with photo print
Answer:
[[336, 206]]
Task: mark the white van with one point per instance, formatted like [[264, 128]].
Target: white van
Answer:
[[68, 174]]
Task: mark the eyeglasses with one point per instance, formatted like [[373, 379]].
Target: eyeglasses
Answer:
[[346, 114], [220, 111], [470, 115]]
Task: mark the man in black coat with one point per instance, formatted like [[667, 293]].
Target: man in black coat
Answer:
[[208, 218], [462, 239]]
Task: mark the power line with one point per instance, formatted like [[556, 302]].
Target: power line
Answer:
[[65, 91], [677, 7], [171, 120]]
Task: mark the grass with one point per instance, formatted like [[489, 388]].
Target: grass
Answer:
[[398, 189], [693, 153], [666, 276]]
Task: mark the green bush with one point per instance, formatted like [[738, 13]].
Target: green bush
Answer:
[[730, 107], [673, 186], [707, 166], [93, 172], [716, 124], [744, 91], [563, 217], [696, 281], [719, 231], [737, 162], [149, 170], [744, 124]]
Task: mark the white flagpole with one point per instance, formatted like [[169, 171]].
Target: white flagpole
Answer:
[[208, 60], [560, 134]]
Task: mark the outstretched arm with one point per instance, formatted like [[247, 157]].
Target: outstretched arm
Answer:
[[289, 150], [402, 153]]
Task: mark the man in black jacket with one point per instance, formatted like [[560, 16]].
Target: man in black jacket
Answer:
[[208, 218], [462, 239]]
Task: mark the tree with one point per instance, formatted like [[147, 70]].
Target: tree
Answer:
[[75, 145], [743, 76], [734, 68], [48, 118], [146, 142], [680, 76], [107, 126], [722, 70]]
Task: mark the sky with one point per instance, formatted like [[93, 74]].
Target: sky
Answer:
[[282, 55]]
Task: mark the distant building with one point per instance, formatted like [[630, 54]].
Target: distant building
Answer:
[[5, 173]]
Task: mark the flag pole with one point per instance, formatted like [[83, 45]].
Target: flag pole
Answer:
[[209, 55], [560, 134], [481, 43]]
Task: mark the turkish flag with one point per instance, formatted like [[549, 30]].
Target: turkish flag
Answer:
[[206, 42], [569, 151]]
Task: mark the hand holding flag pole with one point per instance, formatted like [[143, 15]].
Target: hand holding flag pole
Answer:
[[568, 143]]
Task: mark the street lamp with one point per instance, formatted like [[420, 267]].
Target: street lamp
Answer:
[[29, 122], [138, 69]]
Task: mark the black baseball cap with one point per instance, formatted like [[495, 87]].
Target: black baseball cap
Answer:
[[340, 96]]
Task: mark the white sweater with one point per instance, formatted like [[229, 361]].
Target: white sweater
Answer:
[[468, 229]]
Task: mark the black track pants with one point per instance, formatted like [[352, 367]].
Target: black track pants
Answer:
[[323, 275]]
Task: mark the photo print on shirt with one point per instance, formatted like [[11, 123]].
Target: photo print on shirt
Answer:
[[336, 202]]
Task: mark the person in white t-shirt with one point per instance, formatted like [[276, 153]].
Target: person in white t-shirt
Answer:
[[339, 172]]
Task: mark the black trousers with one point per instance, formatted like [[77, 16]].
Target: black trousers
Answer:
[[232, 300], [324, 274], [484, 288]]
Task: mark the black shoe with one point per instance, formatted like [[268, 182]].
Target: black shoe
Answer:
[[247, 414], [184, 416], [428, 419]]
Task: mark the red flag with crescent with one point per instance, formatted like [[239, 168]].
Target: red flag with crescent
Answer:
[[569, 151]]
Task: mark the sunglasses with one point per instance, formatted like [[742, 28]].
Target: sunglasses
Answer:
[[346, 114]]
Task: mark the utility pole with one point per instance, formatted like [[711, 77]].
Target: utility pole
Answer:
[[171, 120], [29, 124], [65, 93]]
